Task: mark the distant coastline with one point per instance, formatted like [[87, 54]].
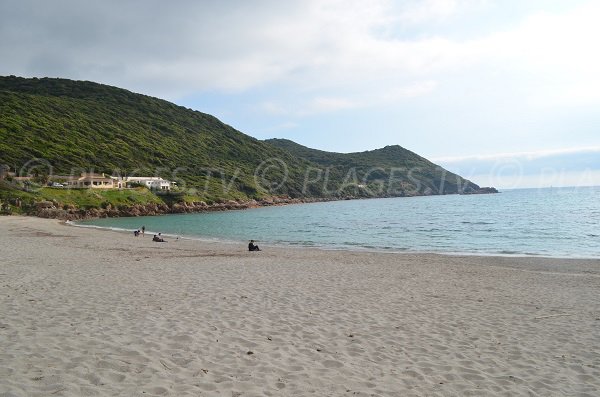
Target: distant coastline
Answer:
[[53, 209]]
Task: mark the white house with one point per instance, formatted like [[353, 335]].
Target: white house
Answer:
[[156, 183]]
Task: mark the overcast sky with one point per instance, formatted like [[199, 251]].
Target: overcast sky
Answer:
[[468, 83]]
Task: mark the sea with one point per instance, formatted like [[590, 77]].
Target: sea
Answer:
[[546, 222]]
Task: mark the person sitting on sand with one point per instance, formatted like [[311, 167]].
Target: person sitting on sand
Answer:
[[158, 239], [136, 233], [252, 246]]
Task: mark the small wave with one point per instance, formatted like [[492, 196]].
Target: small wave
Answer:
[[117, 229], [518, 253], [430, 230], [308, 243]]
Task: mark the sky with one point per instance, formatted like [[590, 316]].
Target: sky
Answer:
[[505, 92]]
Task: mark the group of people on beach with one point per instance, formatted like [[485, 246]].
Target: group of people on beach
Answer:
[[159, 239], [142, 231]]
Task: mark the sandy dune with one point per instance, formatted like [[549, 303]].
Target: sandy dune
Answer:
[[98, 313]]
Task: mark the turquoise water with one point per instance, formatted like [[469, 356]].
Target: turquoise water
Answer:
[[559, 222]]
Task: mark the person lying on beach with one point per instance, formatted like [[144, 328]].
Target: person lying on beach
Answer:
[[252, 246], [158, 239]]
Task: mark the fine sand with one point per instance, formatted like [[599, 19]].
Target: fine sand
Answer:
[[85, 312]]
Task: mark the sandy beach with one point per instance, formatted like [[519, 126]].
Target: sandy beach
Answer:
[[88, 312]]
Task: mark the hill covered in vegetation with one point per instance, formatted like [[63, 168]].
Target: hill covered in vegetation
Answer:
[[82, 126], [391, 171], [59, 126]]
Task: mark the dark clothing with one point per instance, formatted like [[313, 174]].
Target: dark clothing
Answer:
[[252, 247]]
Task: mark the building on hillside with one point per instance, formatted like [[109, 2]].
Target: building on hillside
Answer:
[[154, 183], [87, 180], [102, 181], [17, 178], [119, 182]]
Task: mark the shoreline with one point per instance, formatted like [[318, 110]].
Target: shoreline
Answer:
[[331, 247], [90, 312], [300, 249]]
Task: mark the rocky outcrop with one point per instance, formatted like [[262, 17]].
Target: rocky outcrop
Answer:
[[54, 210], [482, 190]]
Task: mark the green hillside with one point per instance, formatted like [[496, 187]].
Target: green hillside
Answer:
[[58, 126], [82, 126], [391, 171]]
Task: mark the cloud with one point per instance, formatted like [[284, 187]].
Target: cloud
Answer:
[[543, 179], [563, 167], [333, 54], [287, 125], [531, 155], [189, 46], [363, 100], [312, 106], [416, 12], [323, 104], [557, 53]]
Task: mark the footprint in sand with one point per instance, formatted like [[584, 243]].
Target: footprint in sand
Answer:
[[158, 390], [332, 364], [116, 377]]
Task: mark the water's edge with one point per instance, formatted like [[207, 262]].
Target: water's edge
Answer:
[[330, 247], [553, 223]]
